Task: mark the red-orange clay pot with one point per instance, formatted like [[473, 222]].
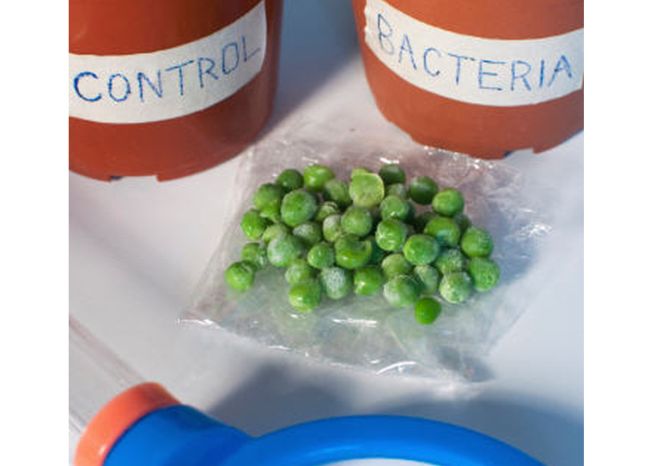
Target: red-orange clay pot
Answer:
[[498, 96], [168, 87]]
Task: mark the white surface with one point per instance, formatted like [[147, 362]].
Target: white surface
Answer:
[[138, 247]]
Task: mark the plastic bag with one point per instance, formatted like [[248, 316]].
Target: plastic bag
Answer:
[[365, 332]]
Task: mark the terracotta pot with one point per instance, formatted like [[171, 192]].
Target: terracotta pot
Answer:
[[483, 77], [168, 87]]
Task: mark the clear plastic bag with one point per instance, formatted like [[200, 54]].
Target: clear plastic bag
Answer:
[[366, 332]]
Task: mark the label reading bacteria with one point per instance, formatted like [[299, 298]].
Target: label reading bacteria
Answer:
[[472, 69], [169, 83]]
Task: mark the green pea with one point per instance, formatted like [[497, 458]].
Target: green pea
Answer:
[[273, 231], [240, 275], [305, 296], [298, 207], [368, 280], [421, 249], [271, 212], [444, 229], [366, 190], [337, 191], [422, 189], [332, 229], [394, 207], [255, 253], [462, 221], [450, 260], [253, 224], [401, 291], [476, 243], [309, 232], [283, 249], [290, 179], [298, 272], [391, 234], [336, 282], [456, 287], [420, 222], [357, 221], [392, 173], [484, 272], [448, 202], [321, 255], [395, 264], [377, 254], [268, 194], [429, 277], [397, 189], [315, 177], [352, 253], [326, 209], [358, 170], [427, 310]]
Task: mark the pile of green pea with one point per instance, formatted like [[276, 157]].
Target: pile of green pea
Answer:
[[363, 236]]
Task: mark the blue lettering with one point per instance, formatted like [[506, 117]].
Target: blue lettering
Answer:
[[482, 72], [144, 78], [542, 65], [459, 60], [209, 71], [181, 77], [224, 56], [77, 78], [246, 55], [562, 65], [385, 34], [127, 87], [409, 49], [425, 62], [514, 75]]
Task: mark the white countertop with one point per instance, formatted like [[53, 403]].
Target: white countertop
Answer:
[[138, 248]]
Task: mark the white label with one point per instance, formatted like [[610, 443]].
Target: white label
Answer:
[[169, 83], [471, 69]]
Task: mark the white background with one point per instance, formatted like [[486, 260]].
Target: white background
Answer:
[[138, 247]]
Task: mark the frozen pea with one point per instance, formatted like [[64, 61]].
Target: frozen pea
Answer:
[[336, 282], [298, 272], [271, 212], [326, 209], [298, 207], [332, 229], [462, 221], [391, 234], [422, 189], [456, 287], [485, 273], [476, 243], [273, 231], [395, 264], [253, 224], [427, 310], [429, 277], [444, 229], [392, 173], [321, 255], [240, 275], [283, 249], [377, 254], [421, 220], [450, 260], [394, 207], [368, 280], [421, 249], [337, 192], [255, 253], [309, 232], [357, 221], [401, 291], [366, 190], [305, 296], [290, 179], [268, 194], [352, 253], [315, 176], [448, 202]]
